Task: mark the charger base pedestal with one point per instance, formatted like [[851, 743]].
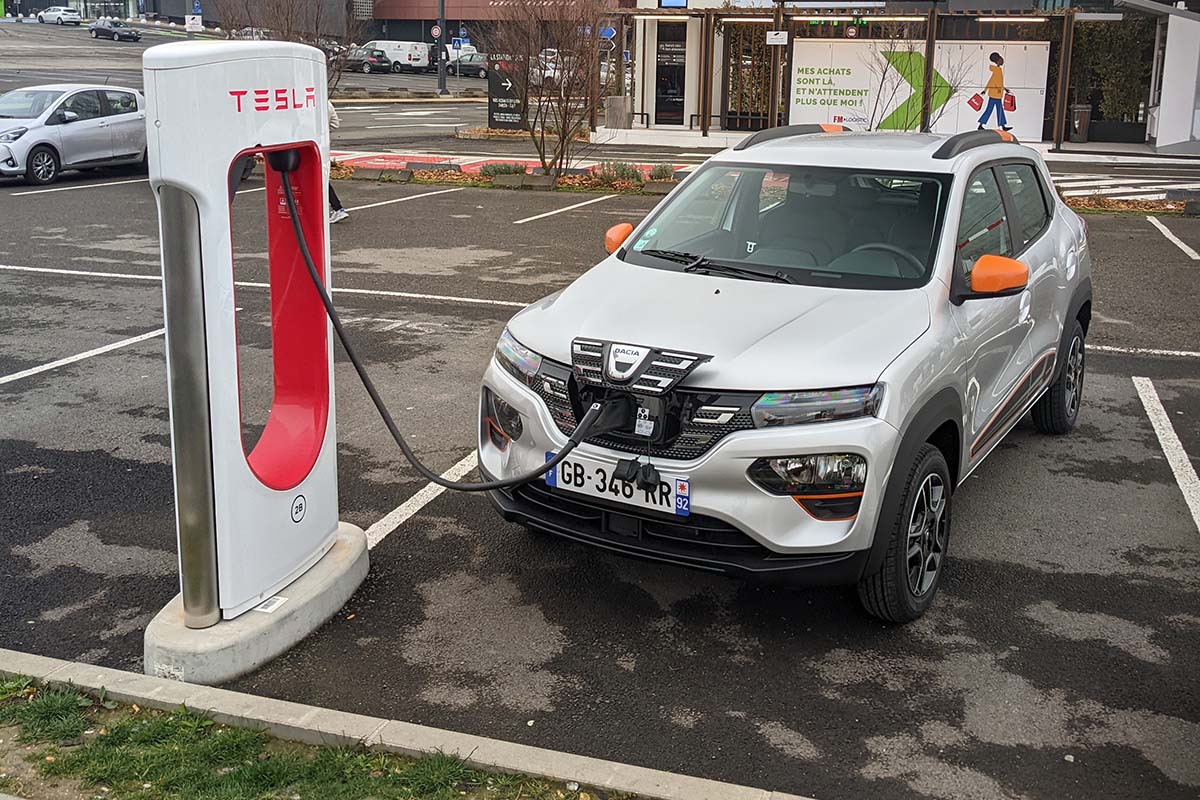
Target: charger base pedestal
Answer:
[[232, 648]]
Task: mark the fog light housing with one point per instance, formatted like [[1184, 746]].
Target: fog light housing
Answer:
[[829, 486], [501, 422]]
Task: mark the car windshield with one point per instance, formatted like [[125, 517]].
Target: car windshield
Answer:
[[818, 226], [26, 103], [116, 24]]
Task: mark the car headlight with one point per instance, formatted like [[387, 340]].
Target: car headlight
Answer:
[[12, 134], [517, 359], [798, 408], [829, 486]]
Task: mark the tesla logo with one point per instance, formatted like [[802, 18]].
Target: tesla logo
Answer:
[[274, 99], [624, 359]]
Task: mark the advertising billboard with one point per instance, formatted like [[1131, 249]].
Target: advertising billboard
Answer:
[[876, 85]]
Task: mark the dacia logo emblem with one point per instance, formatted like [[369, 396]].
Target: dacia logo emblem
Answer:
[[623, 361]]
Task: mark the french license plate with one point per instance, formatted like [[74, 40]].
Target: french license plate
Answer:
[[673, 495]]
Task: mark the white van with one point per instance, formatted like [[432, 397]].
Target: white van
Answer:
[[405, 56]]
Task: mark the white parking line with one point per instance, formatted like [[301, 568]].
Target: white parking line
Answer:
[[1177, 457], [399, 515], [404, 199], [568, 208], [62, 362], [80, 186], [1173, 239], [1144, 351], [443, 298]]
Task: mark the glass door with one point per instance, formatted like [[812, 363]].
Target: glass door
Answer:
[[671, 73]]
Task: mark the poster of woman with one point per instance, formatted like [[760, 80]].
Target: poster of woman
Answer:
[[996, 91]]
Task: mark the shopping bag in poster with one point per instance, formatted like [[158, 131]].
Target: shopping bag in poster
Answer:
[[976, 101], [1010, 103]]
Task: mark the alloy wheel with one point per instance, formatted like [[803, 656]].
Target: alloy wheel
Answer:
[[43, 166], [1073, 384], [928, 530]]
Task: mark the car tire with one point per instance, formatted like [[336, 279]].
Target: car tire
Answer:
[[396, 68], [58, 21], [41, 20], [483, 73], [1057, 409], [366, 68], [93, 34], [42, 166], [907, 580]]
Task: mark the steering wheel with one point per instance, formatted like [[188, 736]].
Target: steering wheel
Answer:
[[905, 256]]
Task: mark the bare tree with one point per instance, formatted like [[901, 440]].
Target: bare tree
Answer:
[[896, 64], [550, 50], [331, 25]]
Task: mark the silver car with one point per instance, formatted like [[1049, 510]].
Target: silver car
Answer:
[[47, 129], [816, 337]]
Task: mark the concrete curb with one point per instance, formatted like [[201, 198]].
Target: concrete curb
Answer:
[[323, 726]]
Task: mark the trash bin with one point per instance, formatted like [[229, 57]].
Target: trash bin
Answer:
[[1081, 120]]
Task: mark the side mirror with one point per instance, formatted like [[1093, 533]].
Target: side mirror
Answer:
[[998, 276], [615, 236], [68, 116]]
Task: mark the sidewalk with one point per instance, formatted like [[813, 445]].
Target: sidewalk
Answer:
[[322, 726]]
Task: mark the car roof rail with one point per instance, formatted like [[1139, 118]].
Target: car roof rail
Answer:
[[783, 131], [962, 142]]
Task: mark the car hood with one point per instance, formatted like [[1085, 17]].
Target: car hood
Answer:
[[761, 336], [7, 124]]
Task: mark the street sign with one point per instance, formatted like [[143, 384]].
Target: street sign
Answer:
[[777, 37], [462, 31], [196, 7], [456, 43], [608, 32], [193, 23], [628, 56], [607, 45], [851, 32], [465, 41], [506, 108], [436, 31]]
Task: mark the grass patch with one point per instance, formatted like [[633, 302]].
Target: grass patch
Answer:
[[126, 753], [503, 168]]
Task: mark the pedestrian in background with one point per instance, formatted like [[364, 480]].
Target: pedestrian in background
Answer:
[[336, 212]]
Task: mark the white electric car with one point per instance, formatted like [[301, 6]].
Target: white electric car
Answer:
[[822, 335]]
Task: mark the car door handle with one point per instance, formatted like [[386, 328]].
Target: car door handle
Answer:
[[102, 125]]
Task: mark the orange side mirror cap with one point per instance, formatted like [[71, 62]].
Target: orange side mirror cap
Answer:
[[998, 275], [615, 236]]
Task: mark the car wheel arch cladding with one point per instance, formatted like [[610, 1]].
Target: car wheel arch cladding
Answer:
[[1079, 309], [944, 407]]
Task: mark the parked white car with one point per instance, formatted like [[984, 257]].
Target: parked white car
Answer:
[[60, 15], [47, 129], [803, 353], [405, 56]]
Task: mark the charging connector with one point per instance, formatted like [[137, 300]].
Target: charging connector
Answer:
[[599, 417]]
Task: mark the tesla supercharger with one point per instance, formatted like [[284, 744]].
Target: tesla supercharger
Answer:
[[262, 557]]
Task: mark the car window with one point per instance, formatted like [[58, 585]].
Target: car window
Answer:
[[85, 104], [983, 228], [1029, 202], [27, 103], [810, 225], [120, 102]]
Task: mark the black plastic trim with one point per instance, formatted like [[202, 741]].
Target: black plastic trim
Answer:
[[962, 142], [784, 131], [945, 406]]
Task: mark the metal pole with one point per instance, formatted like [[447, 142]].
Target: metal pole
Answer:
[[773, 89], [1061, 107], [441, 49], [927, 84], [620, 55]]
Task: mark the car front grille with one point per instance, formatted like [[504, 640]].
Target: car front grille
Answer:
[[696, 419]]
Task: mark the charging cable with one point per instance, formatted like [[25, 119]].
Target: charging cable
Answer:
[[284, 161]]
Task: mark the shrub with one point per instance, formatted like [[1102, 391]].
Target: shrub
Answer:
[[662, 172], [502, 168], [610, 172]]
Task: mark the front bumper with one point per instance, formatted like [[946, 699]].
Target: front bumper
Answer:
[[735, 526], [12, 161]]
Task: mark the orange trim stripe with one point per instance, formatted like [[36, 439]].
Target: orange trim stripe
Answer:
[[838, 496], [1006, 136], [832, 128]]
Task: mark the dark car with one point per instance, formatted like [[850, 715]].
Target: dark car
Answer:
[[114, 29], [367, 61], [472, 65]]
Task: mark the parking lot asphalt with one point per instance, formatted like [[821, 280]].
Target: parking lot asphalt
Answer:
[[1058, 662]]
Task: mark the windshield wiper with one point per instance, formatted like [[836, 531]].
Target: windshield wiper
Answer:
[[677, 256], [715, 268]]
